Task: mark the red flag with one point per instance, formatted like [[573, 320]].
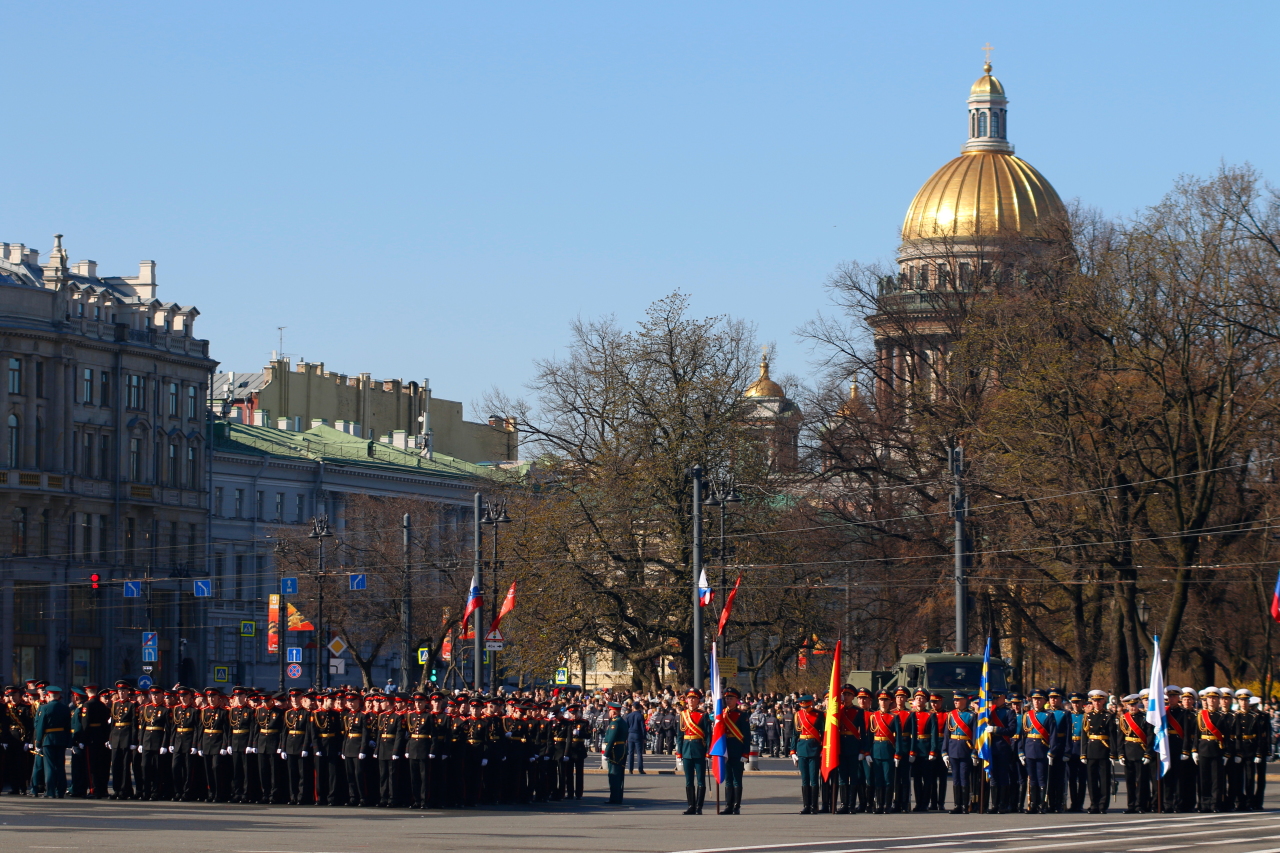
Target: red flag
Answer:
[[728, 605], [508, 604], [831, 734]]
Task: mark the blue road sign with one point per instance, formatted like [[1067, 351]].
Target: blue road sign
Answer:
[[562, 675], [150, 640], [424, 655], [288, 586], [145, 682], [222, 673], [293, 654], [295, 670], [203, 589], [133, 589], [357, 582], [150, 655]]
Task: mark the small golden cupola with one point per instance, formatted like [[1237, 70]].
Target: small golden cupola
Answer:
[[764, 386]]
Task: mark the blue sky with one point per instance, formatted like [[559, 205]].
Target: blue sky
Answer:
[[425, 189]]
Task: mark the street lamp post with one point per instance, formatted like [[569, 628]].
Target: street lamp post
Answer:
[[282, 617], [495, 514], [320, 532], [723, 495], [696, 571]]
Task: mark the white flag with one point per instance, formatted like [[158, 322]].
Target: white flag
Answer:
[[1155, 710]]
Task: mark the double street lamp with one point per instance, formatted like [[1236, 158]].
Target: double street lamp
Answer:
[[486, 513], [320, 532], [495, 515]]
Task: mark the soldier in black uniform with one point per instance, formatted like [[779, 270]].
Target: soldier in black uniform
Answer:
[[153, 743], [418, 724], [441, 730], [268, 728], [1176, 732], [391, 740], [355, 740], [295, 745], [97, 727], [577, 732], [239, 743], [326, 741], [1135, 753], [1098, 748], [492, 751], [214, 744], [121, 742], [1213, 745], [1188, 773]]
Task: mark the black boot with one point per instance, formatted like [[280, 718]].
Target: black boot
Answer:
[[688, 795], [728, 801], [737, 800], [844, 800], [962, 800], [702, 795], [806, 795]]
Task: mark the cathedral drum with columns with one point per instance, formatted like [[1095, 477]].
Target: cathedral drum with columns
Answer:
[[972, 225]]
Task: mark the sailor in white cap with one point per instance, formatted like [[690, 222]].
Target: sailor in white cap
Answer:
[[1212, 749]]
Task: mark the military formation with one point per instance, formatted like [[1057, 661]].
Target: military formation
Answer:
[[1051, 753], [301, 747]]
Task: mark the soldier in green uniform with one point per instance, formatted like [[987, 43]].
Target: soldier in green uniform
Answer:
[[695, 727], [806, 751], [615, 751], [52, 737], [885, 733], [737, 740], [576, 753], [79, 760]]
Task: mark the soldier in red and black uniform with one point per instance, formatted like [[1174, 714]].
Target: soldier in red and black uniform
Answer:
[[153, 743], [493, 751], [325, 734], [391, 738], [441, 730], [121, 741], [214, 744], [355, 739], [295, 746], [239, 743], [268, 735], [183, 723], [417, 724], [579, 730], [1213, 745]]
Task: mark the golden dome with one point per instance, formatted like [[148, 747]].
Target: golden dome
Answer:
[[986, 85], [984, 193], [764, 386]]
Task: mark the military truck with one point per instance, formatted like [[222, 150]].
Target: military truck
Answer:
[[944, 673]]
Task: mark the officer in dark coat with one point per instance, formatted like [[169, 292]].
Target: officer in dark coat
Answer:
[[52, 737], [1098, 748], [1037, 733], [79, 760], [615, 751], [959, 737], [1213, 745]]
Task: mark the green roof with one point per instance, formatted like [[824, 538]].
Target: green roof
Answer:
[[330, 445]]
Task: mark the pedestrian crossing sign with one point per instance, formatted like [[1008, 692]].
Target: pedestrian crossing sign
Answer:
[[562, 675], [424, 656], [221, 673], [248, 629]]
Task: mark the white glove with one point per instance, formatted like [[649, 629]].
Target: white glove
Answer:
[[429, 755], [393, 756], [304, 753], [132, 747], [200, 752], [222, 751], [193, 750], [1023, 759], [976, 761], [109, 746], [1195, 756], [1257, 759], [795, 759], [1224, 759], [1051, 759], [745, 759], [76, 750], [280, 752], [484, 762], [897, 761], [911, 759], [248, 750], [1084, 760], [361, 756], [1238, 759], [1145, 760], [946, 761], [562, 758]]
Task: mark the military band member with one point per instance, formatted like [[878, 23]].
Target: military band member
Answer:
[[1098, 748], [695, 731]]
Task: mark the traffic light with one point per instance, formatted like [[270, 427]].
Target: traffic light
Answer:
[[94, 580], [435, 675]]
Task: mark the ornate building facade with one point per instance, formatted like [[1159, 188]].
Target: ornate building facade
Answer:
[[969, 227]]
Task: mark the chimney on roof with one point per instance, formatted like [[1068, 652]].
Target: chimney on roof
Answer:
[[86, 268], [146, 272]]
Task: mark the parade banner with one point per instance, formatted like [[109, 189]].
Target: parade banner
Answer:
[[831, 732], [298, 622], [273, 624]]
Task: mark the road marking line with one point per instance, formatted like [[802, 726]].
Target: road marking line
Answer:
[[1164, 820]]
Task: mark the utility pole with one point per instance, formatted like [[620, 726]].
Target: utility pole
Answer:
[[696, 571], [959, 510], [405, 613]]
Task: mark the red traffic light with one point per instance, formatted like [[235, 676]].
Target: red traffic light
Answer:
[[94, 578]]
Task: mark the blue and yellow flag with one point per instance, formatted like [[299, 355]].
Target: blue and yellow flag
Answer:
[[984, 712]]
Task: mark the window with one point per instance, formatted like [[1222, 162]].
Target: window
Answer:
[[257, 507], [191, 402], [982, 124], [39, 374], [301, 510], [29, 602], [135, 460], [995, 123], [279, 506], [130, 540], [134, 392], [42, 533], [15, 376], [219, 575], [174, 463], [97, 312], [86, 387], [193, 469], [39, 443], [191, 546], [922, 282], [217, 501], [104, 456], [15, 442], [173, 544], [19, 543], [173, 399], [86, 535], [104, 390], [239, 576], [86, 454], [100, 540], [239, 507], [156, 471], [82, 609]]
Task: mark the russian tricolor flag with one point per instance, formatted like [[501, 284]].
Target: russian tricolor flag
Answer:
[[719, 750], [1275, 601], [474, 600], [704, 590]]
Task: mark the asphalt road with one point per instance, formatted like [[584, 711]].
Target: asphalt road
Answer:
[[650, 822]]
